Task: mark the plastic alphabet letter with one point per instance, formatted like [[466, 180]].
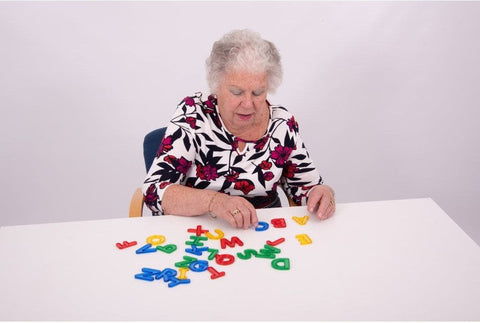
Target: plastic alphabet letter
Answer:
[[144, 276], [219, 235], [198, 266], [224, 259], [186, 262], [269, 249], [276, 242], [268, 252], [235, 240], [156, 240], [196, 240], [196, 251], [147, 274], [303, 239], [198, 231], [247, 254], [278, 223], [302, 221], [215, 274], [182, 273], [281, 264], [169, 248], [174, 282], [125, 244], [213, 253], [145, 249], [167, 274], [262, 226]]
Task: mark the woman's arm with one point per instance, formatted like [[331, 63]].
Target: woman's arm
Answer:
[[182, 200], [302, 180]]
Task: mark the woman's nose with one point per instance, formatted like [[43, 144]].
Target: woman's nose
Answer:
[[247, 101]]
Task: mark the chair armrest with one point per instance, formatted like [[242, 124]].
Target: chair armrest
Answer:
[[290, 201], [136, 204]]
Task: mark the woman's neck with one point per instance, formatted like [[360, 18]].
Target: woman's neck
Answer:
[[255, 132]]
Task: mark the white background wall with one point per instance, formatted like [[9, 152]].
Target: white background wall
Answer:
[[386, 94]]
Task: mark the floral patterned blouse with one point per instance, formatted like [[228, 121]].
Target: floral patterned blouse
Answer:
[[198, 151]]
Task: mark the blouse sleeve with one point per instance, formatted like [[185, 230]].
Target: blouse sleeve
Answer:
[[299, 172], [175, 155]]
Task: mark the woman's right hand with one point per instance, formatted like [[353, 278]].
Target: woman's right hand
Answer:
[[234, 209]]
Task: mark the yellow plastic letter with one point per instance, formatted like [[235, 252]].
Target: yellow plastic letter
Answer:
[[182, 273], [303, 239], [302, 221], [219, 236], [156, 240]]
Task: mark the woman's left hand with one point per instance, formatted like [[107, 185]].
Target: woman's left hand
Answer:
[[321, 201]]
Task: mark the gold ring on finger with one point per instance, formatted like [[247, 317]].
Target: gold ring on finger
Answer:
[[235, 212]]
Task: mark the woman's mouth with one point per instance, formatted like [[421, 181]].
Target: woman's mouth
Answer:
[[244, 117]]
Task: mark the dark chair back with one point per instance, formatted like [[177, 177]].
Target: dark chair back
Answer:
[[151, 143]]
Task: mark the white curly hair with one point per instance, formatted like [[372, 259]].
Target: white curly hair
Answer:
[[243, 50]]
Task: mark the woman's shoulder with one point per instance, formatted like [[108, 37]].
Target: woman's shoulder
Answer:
[[282, 118], [280, 112], [196, 100], [198, 111], [197, 103]]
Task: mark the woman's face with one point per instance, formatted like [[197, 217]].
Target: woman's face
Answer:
[[242, 102]]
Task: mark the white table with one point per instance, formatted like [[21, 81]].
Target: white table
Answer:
[[387, 260]]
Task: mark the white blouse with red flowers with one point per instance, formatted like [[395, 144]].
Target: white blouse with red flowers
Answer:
[[198, 151]]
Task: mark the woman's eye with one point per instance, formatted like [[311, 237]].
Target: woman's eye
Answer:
[[236, 92], [258, 93]]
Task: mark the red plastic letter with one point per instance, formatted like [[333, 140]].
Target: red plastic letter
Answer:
[[279, 223], [215, 274], [224, 259], [198, 231], [274, 243], [235, 240], [125, 244]]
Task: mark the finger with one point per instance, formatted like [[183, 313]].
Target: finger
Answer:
[[330, 210], [253, 217], [312, 202], [323, 206], [227, 216], [237, 216], [241, 215], [327, 212], [248, 212], [315, 198], [249, 215]]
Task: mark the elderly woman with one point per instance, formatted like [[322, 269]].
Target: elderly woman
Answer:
[[226, 154]]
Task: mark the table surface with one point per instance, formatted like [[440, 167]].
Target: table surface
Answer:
[[385, 260]]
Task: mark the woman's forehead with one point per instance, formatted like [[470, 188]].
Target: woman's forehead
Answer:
[[245, 78]]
